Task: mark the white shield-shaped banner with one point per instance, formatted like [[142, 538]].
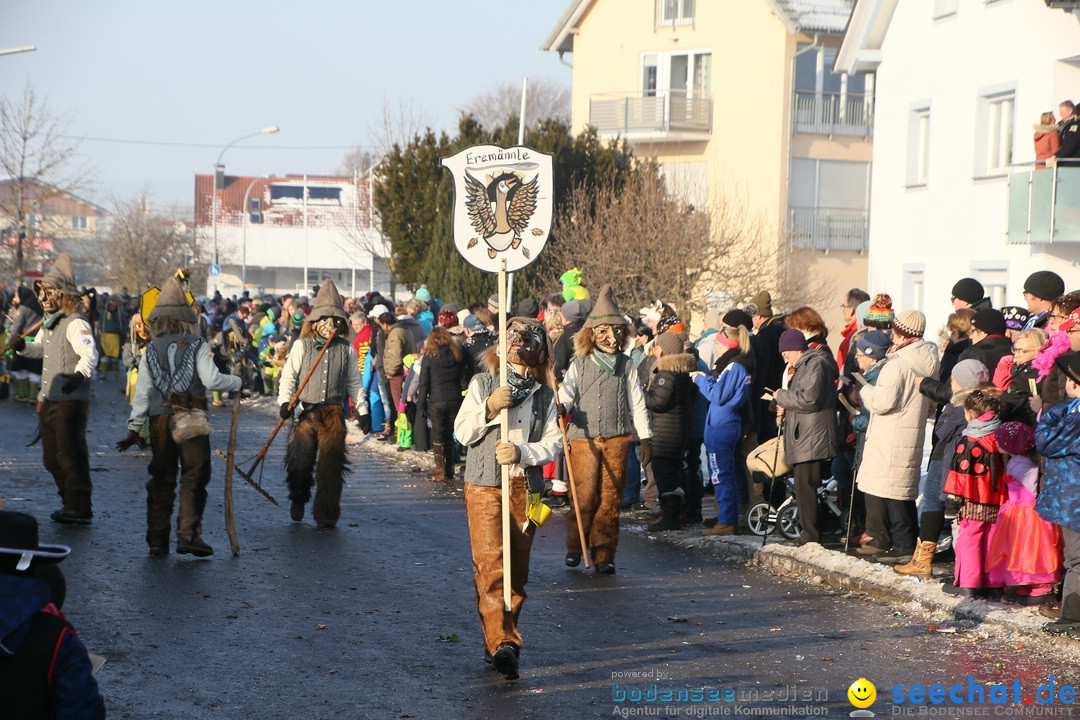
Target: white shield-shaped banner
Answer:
[[502, 205]]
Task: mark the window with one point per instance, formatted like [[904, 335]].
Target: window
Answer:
[[316, 194], [670, 13], [918, 146], [994, 132], [828, 103], [944, 8], [913, 287], [78, 222], [828, 204], [994, 279], [684, 74]]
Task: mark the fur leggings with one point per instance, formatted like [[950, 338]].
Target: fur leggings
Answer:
[[599, 466], [319, 431]]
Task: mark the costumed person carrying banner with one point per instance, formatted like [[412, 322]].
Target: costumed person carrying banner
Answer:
[[601, 394], [66, 345], [176, 370], [320, 429], [533, 442]]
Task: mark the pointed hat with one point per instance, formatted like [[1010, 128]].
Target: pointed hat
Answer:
[[61, 275], [605, 311], [328, 303], [173, 303]]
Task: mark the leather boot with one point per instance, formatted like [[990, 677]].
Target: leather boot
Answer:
[[920, 561], [439, 451]]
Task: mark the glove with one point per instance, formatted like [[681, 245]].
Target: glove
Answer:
[[285, 412], [17, 343], [646, 452], [72, 381], [952, 506], [133, 438], [507, 453], [499, 401], [364, 421]]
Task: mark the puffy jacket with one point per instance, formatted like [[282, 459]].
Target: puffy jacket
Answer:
[[1057, 437], [728, 395], [442, 378], [399, 343], [892, 459], [44, 669], [809, 402], [668, 398]]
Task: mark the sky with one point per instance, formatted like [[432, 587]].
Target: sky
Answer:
[[156, 89]]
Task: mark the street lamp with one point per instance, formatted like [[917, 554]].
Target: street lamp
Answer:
[[219, 178], [247, 218]]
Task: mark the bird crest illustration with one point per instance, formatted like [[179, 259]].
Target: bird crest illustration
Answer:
[[500, 208]]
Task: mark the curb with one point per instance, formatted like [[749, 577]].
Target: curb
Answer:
[[813, 564]]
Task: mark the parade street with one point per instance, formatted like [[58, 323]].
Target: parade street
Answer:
[[377, 618]]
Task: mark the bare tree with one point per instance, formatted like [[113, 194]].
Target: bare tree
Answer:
[[143, 247], [40, 162], [650, 244], [398, 125], [546, 98], [356, 162]]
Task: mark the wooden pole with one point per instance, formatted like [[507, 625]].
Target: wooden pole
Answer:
[[230, 461], [573, 485], [504, 430]]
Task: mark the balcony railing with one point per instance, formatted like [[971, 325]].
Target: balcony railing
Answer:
[[1044, 205], [834, 114], [669, 115], [829, 229]]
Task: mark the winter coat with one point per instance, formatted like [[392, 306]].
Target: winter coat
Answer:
[[415, 330], [563, 351], [892, 458], [44, 668], [668, 398], [728, 395], [699, 407], [1052, 390], [1057, 437], [426, 320], [809, 402], [1015, 380], [399, 343], [989, 351], [442, 378], [473, 348], [768, 372], [950, 356], [861, 423], [1047, 143]]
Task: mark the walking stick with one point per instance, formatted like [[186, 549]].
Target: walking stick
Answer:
[[230, 524], [281, 421], [573, 484]]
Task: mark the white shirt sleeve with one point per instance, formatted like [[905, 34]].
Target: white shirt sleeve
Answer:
[[81, 338], [470, 423], [637, 407], [569, 388]]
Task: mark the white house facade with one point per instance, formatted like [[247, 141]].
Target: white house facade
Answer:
[[954, 190]]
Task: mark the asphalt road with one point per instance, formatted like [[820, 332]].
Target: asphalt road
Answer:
[[377, 618]]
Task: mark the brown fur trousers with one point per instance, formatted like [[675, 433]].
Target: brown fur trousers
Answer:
[[599, 466], [320, 432]]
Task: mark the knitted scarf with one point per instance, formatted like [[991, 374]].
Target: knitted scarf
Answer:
[[983, 425], [49, 319], [520, 385], [606, 361]]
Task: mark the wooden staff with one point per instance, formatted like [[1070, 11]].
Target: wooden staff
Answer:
[[573, 485], [504, 430], [230, 524], [29, 331], [292, 403]]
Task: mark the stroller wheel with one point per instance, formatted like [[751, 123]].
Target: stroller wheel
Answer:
[[788, 518], [760, 518]]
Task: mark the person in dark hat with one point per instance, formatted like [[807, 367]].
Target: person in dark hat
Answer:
[[320, 429], [66, 345], [529, 308], [176, 370], [1015, 318], [601, 394], [534, 440], [1041, 289], [988, 340], [969, 293], [43, 664]]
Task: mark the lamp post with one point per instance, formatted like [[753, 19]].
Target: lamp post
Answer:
[[246, 220], [219, 179]]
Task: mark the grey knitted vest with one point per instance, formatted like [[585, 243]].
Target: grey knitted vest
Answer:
[[171, 361], [59, 357], [602, 408], [481, 467], [329, 382]]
